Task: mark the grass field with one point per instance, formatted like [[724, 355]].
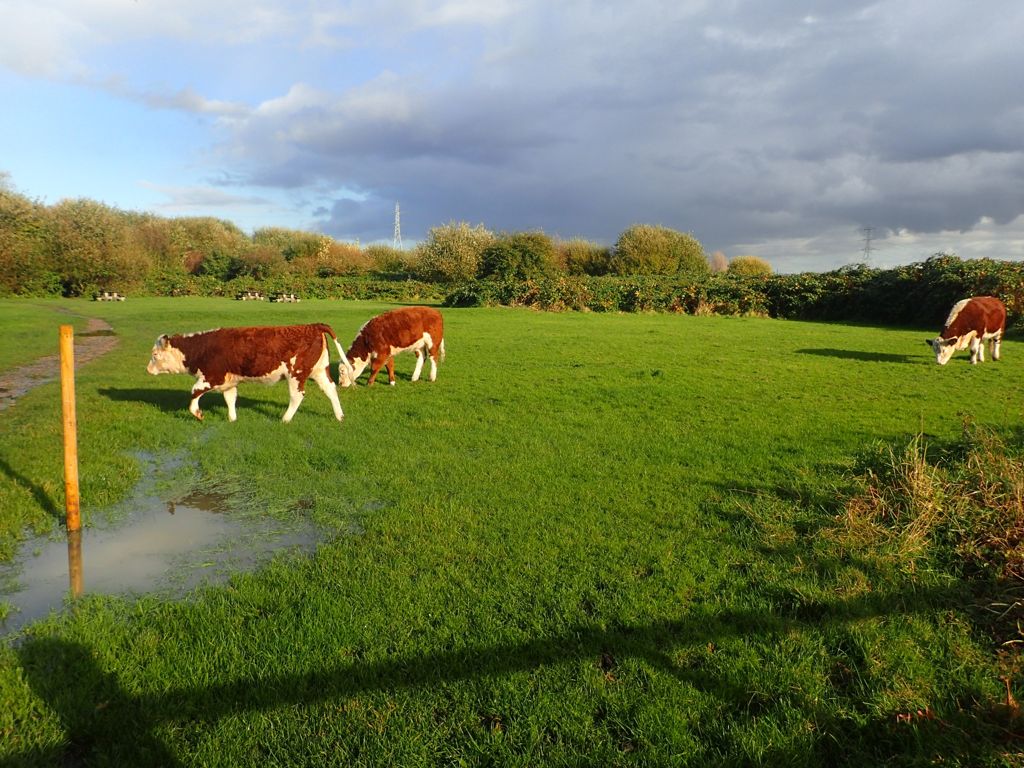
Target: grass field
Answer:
[[594, 540]]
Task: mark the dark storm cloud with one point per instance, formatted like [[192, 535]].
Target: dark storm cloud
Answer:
[[740, 123]]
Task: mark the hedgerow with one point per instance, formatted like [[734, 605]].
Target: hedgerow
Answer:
[[399, 289], [915, 294]]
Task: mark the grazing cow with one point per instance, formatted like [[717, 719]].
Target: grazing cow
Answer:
[[384, 336], [971, 323], [223, 357]]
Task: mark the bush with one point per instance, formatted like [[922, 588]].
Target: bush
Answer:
[[388, 260], [644, 249], [718, 262], [92, 248], [291, 244], [749, 266], [581, 257], [209, 246], [451, 252], [260, 262], [518, 256], [330, 259], [26, 247]]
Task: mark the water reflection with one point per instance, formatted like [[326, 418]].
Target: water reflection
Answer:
[[164, 547], [75, 562]]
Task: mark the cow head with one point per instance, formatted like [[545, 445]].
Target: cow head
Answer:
[[356, 365], [943, 348], [346, 374], [166, 358]]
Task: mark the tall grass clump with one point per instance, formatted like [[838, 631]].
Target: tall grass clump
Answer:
[[959, 508]]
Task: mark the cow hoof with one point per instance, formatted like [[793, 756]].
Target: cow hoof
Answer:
[[198, 415]]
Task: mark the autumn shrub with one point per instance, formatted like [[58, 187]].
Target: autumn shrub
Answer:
[[92, 249], [718, 262], [205, 235], [26, 247], [749, 266], [645, 249], [452, 252], [332, 258], [386, 259], [259, 262], [291, 244]]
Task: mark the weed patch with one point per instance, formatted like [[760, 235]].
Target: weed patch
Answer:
[[960, 507]]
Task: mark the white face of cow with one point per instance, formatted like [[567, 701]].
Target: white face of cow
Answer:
[[943, 348], [166, 359], [347, 378]]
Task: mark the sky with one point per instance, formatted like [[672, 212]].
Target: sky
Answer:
[[811, 134]]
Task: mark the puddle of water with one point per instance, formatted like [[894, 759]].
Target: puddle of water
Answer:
[[163, 547]]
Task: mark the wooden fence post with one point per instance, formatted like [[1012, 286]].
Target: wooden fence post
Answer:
[[67, 396]]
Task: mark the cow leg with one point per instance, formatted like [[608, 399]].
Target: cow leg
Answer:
[[230, 395], [391, 370], [375, 367], [197, 391], [977, 351], [433, 363], [996, 342], [296, 391], [324, 380], [419, 364]]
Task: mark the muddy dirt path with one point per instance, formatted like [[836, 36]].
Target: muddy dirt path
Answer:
[[96, 340]]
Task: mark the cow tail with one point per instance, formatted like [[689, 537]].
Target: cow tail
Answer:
[[326, 329], [344, 357]]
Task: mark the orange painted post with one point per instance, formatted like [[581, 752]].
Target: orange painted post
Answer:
[[67, 396]]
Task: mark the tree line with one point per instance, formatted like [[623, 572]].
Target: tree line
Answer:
[[79, 247], [76, 247]]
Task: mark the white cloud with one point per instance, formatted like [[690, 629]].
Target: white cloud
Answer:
[[192, 199], [466, 12]]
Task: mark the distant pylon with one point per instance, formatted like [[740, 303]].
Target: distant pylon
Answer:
[[398, 227], [868, 237]]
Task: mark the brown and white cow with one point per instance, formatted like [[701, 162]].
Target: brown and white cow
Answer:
[[401, 330], [223, 357], [971, 323]]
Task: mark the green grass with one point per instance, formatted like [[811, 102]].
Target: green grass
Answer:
[[31, 328], [595, 540]]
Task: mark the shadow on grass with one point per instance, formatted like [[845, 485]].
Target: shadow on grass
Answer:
[[41, 496], [104, 723], [166, 400], [868, 357], [176, 401]]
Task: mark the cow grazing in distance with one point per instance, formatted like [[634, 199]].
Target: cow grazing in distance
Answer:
[[416, 329], [223, 357], [971, 323]]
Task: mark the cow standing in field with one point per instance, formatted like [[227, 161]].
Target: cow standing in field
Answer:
[[221, 358], [971, 323], [415, 329]]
